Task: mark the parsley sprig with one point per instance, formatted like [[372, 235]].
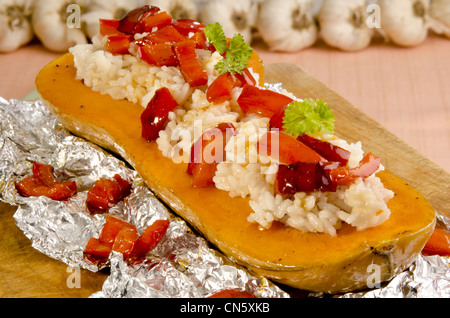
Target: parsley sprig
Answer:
[[236, 54], [308, 117]]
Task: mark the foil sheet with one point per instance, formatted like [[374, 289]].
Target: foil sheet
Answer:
[[183, 264]]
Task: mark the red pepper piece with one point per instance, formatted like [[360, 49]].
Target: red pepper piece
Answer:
[[150, 238], [286, 149], [97, 251], [156, 114], [244, 78], [160, 54], [187, 26], [190, 67], [62, 190], [207, 152], [44, 173], [151, 19], [232, 293], [276, 120], [118, 44], [167, 34], [109, 27], [438, 243], [31, 187], [109, 231], [106, 193], [128, 23], [220, 89], [304, 177], [260, 101], [201, 42], [43, 183], [194, 31], [345, 175], [329, 151], [125, 241]]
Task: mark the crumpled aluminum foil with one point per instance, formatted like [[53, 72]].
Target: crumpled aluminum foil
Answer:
[[182, 265]]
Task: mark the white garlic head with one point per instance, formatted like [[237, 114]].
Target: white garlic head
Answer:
[[287, 25], [343, 24], [235, 16], [177, 9], [405, 22]]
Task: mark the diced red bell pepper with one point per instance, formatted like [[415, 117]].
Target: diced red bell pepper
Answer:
[[44, 173], [106, 193], [194, 31], [329, 151], [167, 34], [187, 26], [221, 89], [286, 149], [207, 152], [43, 183], [201, 42], [118, 44], [31, 187], [160, 54], [438, 243], [304, 177], [97, 251], [245, 78], [62, 190], [109, 27], [128, 23], [110, 229], [150, 20], [345, 175], [154, 117], [123, 237], [189, 64], [276, 120], [150, 238], [232, 293], [261, 101], [125, 241]]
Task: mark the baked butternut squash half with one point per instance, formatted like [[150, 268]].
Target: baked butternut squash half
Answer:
[[349, 256]]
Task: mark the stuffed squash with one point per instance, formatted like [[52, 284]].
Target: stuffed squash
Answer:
[[275, 191]]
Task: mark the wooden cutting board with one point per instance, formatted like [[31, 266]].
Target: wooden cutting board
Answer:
[[25, 272]]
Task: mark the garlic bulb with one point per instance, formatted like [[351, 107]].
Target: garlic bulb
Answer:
[[405, 22], [235, 16], [177, 9], [101, 9], [287, 25], [50, 20], [15, 26], [343, 24], [440, 11]]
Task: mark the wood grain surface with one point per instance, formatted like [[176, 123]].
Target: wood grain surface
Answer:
[[25, 272]]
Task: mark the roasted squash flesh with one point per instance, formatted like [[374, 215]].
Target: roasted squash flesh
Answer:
[[317, 262]]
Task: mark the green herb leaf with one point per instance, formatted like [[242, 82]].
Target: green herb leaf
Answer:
[[237, 53], [308, 117], [215, 35]]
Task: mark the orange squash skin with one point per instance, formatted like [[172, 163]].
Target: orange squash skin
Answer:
[[315, 262]]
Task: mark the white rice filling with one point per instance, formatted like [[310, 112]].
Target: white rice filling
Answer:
[[244, 173]]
